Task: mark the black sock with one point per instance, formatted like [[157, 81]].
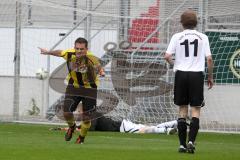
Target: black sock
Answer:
[[182, 131], [194, 126]]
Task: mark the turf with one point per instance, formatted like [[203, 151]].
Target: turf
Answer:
[[36, 142]]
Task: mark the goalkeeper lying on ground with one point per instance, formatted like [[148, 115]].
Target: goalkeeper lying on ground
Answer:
[[126, 126], [105, 123]]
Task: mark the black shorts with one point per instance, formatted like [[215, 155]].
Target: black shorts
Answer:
[[188, 88], [71, 101]]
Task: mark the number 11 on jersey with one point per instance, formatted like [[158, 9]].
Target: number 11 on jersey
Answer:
[[195, 43]]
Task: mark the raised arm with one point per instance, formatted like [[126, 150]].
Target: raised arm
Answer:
[[210, 72], [53, 53]]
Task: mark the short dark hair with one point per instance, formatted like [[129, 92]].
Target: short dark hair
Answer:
[[81, 40], [189, 19]]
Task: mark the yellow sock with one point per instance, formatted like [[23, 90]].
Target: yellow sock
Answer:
[[84, 128]]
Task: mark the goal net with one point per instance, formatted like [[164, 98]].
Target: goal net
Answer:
[[130, 37]]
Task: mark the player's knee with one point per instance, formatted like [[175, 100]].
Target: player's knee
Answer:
[[194, 123], [182, 125], [86, 124]]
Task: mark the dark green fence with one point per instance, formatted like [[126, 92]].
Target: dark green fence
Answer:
[[223, 46]]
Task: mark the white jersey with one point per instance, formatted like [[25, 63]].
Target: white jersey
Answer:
[[190, 48], [130, 127]]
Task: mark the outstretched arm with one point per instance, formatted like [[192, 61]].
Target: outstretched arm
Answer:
[[53, 53]]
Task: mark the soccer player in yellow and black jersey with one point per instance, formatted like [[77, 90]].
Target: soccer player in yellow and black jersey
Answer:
[[81, 77]]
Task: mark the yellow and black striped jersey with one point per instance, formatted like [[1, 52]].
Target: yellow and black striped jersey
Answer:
[[82, 70]]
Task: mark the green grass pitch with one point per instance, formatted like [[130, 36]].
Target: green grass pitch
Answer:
[[36, 142]]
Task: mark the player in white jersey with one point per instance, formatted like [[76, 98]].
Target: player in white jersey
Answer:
[[191, 48], [169, 127]]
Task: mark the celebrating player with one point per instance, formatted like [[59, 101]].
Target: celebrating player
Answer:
[[82, 85]]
